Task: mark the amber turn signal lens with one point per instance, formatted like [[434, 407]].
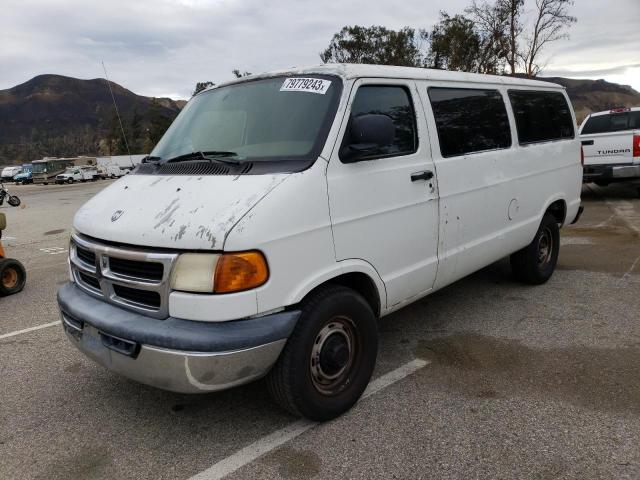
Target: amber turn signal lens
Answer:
[[240, 271]]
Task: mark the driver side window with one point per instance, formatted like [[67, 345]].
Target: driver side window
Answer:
[[395, 103]]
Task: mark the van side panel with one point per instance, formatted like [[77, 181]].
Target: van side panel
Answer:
[[492, 202], [545, 172], [475, 193]]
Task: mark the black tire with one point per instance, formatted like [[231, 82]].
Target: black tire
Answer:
[[12, 276], [13, 201], [536, 262], [333, 318], [69, 181]]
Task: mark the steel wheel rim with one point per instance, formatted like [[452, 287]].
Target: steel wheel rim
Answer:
[[545, 247], [9, 278], [339, 331]]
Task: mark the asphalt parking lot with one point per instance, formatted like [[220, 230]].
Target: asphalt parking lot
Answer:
[[515, 381]]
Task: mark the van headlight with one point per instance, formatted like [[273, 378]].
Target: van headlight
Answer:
[[219, 273]]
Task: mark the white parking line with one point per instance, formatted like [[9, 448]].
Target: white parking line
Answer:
[[54, 250], [30, 329], [274, 440]]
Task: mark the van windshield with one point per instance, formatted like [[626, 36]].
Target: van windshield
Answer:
[[40, 167], [279, 118]]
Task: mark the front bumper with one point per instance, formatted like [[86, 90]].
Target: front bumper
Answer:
[[610, 173], [173, 354]]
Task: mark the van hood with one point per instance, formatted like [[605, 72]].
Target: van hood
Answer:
[[177, 212]]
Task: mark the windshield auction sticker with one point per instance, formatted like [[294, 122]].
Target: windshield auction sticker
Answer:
[[313, 85]]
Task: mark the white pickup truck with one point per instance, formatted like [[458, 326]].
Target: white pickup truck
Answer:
[[78, 174], [611, 146]]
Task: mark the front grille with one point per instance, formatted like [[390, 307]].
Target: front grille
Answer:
[[133, 278], [90, 280], [141, 297], [131, 268], [86, 256]]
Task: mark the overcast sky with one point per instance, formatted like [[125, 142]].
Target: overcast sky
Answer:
[[162, 48]]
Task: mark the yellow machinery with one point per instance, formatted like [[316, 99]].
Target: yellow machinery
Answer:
[[12, 273]]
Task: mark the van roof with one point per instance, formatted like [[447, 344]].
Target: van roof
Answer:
[[352, 70]]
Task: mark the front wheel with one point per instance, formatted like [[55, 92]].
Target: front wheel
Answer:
[[12, 276], [13, 201], [329, 358], [536, 262]]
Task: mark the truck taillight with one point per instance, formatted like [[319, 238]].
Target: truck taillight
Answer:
[[636, 145]]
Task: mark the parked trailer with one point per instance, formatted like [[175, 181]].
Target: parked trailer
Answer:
[[46, 170]]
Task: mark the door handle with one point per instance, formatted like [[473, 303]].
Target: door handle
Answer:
[[587, 142], [426, 175]]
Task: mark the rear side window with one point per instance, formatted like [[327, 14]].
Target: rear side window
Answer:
[[541, 116], [393, 101], [612, 122], [469, 120], [597, 124]]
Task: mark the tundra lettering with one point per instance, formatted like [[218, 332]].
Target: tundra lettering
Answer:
[[614, 152]]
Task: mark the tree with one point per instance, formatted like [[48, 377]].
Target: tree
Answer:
[[201, 86], [512, 9], [551, 21], [238, 74], [159, 123], [377, 45], [115, 140], [134, 132], [455, 45], [491, 24]]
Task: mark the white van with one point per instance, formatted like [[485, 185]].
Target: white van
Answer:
[[9, 172], [282, 214]]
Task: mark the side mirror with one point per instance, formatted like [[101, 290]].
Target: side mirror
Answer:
[[368, 133], [3, 221]]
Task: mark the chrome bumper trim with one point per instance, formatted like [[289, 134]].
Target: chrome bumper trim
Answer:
[[630, 171], [177, 370]]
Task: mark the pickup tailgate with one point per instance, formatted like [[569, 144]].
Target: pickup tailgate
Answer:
[[608, 148]]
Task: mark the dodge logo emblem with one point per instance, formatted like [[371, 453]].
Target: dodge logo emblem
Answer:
[[116, 215]]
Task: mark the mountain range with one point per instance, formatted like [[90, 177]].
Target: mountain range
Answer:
[[54, 115]]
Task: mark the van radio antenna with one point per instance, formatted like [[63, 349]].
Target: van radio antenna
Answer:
[[124, 135]]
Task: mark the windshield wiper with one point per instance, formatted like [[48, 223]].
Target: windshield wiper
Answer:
[[219, 156], [150, 158]]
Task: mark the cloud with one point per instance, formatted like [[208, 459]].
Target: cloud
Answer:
[[163, 47], [592, 73]]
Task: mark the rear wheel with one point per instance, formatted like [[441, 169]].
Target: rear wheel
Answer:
[[13, 201], [12, 276], [536, 262], [329, 358]]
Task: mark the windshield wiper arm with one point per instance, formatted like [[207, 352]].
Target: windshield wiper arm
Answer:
[[151, 158], [212, 156]]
